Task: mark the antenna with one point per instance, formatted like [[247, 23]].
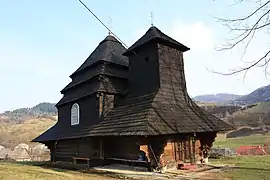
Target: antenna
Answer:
[[110, 24]]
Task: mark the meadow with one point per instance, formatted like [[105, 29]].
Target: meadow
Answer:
[[256, 139], [247, 167], [239, 167], [20, 171]]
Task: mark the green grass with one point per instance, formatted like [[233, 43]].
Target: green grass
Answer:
[[20, 171], [249, 167], [242, 141]]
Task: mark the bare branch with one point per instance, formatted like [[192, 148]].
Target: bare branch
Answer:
[[236, 3], [250, 29], [247, 32], [248, 67], [244, 18]]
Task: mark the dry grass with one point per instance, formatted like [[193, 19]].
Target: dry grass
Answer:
[[12, 171], [12, 134]]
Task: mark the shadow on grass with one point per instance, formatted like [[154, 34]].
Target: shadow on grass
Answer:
[[71, 168], [32, 163]]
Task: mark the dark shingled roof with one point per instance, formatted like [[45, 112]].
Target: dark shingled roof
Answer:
[[104, 85], [146, 116], [110, 50], [96, 71], [154, 34]]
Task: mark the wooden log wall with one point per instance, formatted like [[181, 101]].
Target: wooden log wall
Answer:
[[168, 151], [121, 147], [168, 158], [65, 150], [174, 151]]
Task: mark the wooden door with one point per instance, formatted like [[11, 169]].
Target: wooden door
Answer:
[[179, 151]]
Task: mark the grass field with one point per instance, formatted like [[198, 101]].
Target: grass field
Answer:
[[248, 167], [15, 171], [242, 141]]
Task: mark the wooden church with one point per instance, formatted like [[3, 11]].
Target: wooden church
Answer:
[[131, 105]]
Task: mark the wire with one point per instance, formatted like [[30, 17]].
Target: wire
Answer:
[[103, 24]]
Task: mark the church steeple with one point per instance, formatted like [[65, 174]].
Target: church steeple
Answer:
[[154, 34], [109, 50]]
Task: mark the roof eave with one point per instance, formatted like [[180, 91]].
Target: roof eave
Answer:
[[133, 50]]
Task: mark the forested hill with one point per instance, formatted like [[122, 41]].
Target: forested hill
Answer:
[[42, 109]]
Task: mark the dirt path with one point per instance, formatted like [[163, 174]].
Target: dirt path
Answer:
[[206, 173]]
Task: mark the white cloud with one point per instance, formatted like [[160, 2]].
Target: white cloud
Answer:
[[196, 36]]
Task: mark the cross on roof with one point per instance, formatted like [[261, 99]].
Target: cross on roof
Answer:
[[110, 24], [152, 18]]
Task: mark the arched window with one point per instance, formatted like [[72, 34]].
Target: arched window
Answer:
[[75, 114]]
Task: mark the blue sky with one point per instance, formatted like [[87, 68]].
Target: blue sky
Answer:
[[43, 42]]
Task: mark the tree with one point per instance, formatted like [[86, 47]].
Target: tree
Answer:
[[244, 28]]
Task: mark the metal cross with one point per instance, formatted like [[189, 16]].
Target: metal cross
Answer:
[[110, 24], [152, 18]]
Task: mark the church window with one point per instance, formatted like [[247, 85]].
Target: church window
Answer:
[[75, 114]]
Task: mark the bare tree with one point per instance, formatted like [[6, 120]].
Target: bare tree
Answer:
[[244, 28]]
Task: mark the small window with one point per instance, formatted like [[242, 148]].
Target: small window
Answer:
[[75, 114]]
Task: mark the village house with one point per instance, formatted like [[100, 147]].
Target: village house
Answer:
[[131, 105], [18, 154]]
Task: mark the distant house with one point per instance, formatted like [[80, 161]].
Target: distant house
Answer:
[[20, 154], [132, 105], [40, 153], [23, 146], [5, 153]]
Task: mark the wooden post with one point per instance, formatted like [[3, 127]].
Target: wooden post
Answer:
[[189, 149], [175, 150], [101, 149], [53, 151], [101, 103]]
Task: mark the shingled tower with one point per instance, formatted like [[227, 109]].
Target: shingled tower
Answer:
[[157, 102]]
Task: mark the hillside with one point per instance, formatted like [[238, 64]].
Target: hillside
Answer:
[[44, 109], [261, 94], [254, 116], [13, 133], [216, 98], [23, 124]]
